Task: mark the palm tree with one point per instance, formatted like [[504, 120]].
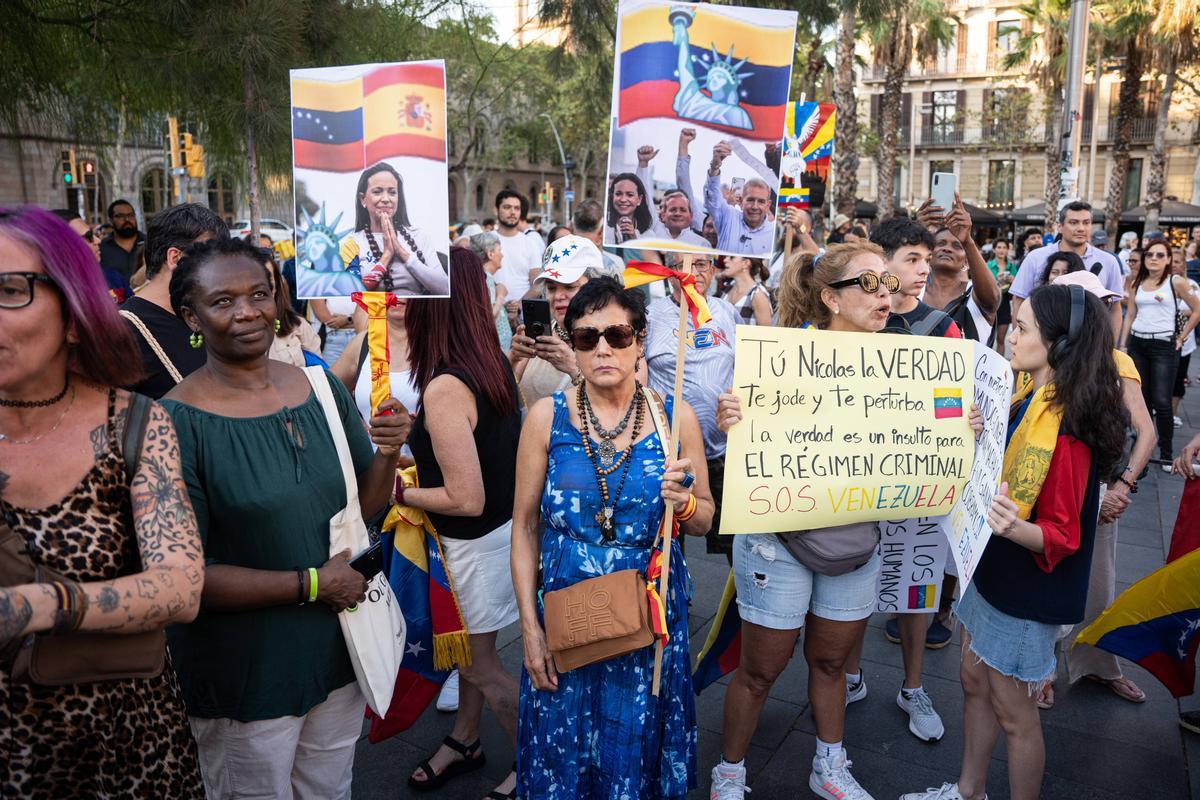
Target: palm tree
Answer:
[[1175, 32], [910, 27], [1127, 37], [845, 131], [1043, 51]]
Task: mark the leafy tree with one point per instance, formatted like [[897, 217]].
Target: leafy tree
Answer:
[[1174, 31]]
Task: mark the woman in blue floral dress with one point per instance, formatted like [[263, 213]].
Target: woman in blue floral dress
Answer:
[[596, 731]]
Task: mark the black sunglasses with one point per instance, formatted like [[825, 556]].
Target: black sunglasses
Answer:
[[869, 282], [617, 336], [16, 288]]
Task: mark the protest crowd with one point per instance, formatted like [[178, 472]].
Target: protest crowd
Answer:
[[535, 428]]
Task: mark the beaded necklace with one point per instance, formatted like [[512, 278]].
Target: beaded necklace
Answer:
[[604, 517]]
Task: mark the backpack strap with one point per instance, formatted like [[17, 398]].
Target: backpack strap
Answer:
[[136, 322], [928, 323], [135, 432]]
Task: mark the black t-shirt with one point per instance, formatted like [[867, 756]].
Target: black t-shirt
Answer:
[[172, 335], [496, 436], [117, 258], [944, 327]]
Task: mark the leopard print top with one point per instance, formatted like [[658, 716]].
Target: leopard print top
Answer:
[[116, 739]]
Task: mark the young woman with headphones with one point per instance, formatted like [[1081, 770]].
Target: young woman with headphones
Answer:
[[1063, 436]]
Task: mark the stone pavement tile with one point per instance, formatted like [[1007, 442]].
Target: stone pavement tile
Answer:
[[876, 648], [774, 723], [1191, 745], [1112, 762], [1091, 708], [1135, 563]]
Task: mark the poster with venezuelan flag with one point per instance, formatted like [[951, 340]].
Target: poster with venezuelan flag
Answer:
[[806, 153], [699, 103], [370, 178]]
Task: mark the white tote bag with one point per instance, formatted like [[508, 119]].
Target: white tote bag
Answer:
[[375, 630]]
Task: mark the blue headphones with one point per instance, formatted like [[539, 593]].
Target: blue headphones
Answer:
[[1062, 345]]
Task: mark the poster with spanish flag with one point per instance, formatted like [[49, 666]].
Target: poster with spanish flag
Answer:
[[700, 97], [370, 178]]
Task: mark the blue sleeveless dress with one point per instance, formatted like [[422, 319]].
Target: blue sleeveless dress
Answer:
[[601, 735]]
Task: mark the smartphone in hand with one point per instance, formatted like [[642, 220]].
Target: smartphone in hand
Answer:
[[535, 313], [369, 562], [942, 190]]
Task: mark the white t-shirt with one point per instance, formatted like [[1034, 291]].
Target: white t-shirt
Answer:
[[522, 253], [1189, 344]]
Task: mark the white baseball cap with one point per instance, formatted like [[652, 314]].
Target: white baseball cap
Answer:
[[1088, 282], [567, 259]]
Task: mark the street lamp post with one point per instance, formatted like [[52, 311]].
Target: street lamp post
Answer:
[[566, 167]]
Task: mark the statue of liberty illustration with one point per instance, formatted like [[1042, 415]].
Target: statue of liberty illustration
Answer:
[[722, 80]]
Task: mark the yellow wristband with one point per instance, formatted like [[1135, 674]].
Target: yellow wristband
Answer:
[[689, 509], [312, 584]]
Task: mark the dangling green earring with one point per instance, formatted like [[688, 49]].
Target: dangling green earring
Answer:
[[196, 340], [277, 326]]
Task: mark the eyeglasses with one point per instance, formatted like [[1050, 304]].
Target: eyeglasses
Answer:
[[16, 288], [126, 215], [1155, 254], [869, 282], [617, 336], [89, 236]]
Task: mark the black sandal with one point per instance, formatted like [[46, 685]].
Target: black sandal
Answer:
[[495, 795], [472, 760]]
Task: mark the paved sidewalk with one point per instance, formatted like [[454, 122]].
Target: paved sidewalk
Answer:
[[1098, 747]]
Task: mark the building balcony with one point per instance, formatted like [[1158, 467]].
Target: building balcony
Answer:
[[1142, 133], [946, 66]]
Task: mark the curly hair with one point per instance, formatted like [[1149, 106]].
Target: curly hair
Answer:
[[1087, 385], [807, 275]]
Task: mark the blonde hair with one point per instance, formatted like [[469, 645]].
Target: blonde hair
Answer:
[[807, 275]]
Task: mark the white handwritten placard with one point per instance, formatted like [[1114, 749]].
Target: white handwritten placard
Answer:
[[914, 560], [966, 525]]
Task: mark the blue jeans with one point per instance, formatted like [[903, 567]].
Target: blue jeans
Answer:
[[1156, 361]]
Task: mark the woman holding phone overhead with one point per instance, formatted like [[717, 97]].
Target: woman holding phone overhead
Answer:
[[785, 583], [268, 682], [393, 255]]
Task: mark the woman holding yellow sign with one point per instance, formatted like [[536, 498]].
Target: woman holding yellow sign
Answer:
[[822, 579], [1033, 577]]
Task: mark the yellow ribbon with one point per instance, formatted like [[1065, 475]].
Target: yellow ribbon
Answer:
[[376, 305]]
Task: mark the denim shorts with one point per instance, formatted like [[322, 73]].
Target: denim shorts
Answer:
[[776, 591], [1022, 649]]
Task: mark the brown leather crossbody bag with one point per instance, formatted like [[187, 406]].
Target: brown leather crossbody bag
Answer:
[[80, 657], [607, 616]]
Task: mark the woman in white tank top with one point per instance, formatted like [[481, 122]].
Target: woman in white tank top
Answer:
[[1153, 337], [354, 372], [747, 294]]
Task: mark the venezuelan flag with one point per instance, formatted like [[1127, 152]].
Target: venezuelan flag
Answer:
[[722, 649], [390, 110], [435, 634], [649, 62], [947, 403], [639, 273], [1156, 623], [921, 597]]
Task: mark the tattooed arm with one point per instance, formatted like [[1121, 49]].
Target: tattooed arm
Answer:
[[168, 589]]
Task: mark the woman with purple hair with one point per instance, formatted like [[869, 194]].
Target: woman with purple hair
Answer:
[[97, 537]]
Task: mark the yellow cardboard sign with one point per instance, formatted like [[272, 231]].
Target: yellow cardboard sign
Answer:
[[845, 427]]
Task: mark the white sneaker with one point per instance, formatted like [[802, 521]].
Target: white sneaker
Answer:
[[448, 697], [832, 780], [923, 721], [948, 791], [856, 691], [726, 786], [1177, 422]]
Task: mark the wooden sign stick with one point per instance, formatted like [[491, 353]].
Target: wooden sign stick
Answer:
[[672, 453]]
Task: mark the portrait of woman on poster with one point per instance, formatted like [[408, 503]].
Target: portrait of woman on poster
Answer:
[[628, 214], [393, 255]]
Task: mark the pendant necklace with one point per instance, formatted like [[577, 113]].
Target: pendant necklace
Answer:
[[608, 450], [604, 517], [32, 439]]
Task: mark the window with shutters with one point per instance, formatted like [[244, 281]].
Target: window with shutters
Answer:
[[944, 126], [1133, 184], [1008, 36], [1002, 174]]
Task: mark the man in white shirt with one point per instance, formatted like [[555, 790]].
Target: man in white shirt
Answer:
[[522, 249], [745, 230], [1075, 222]]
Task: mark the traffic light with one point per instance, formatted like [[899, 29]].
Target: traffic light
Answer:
[[67, 167], [87, 168], [185, 150], [173, 142], [195, 162]]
